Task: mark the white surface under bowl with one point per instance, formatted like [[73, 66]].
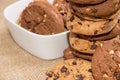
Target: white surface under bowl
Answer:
[[42, 46]]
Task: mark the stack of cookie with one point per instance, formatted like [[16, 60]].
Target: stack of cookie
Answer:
[[93, 29], [105, 65], [90, 22]]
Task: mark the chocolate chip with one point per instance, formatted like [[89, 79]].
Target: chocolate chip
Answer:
[[67, 1], [82, 19], [94, 46], [78, 71], [28, 24], [74, 63], [117, 75], [79, 23], [62, 14], [90, 70], [71, 27], [88, 25], [106, 25], [63, 69], [79, 77], [72, 18], [72, 44], [71, 70], [94, 10], [56, 76], [96, 32], [60, 9], [110, 20], [110, 67], [49, 74], [119, 22]]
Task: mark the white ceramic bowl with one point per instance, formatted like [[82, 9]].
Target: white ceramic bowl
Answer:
[[42, 46]]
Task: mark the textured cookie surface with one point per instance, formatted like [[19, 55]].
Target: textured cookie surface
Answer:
[[85, 27], [106, 61], [87, 1], [82, 45], [100, 10], [112, 16], [63, 7], [42, 18], [72, 69], [109, 35]]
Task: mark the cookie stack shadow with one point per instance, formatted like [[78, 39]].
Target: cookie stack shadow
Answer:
[[91, 23]]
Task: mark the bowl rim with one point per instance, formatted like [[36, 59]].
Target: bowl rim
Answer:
[[21, 28]]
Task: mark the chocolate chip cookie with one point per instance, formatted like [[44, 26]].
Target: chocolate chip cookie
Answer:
[[82, 45], [42, 18], [82, 55], [63, 7], [112, 16], [107, 36], [100, 10], [72, 69], [106, 61], [90, 28], [69, 53], [87, 1]]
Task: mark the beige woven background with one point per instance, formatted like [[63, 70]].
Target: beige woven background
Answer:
[[15, 62]]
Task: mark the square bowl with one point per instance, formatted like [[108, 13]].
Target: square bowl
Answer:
[[43, 46]]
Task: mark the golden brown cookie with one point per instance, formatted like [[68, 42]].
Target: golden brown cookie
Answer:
[[72, 69], [107, 36], [90, 28], [82, 45], [69, 53], [112, 16], [82, 55]]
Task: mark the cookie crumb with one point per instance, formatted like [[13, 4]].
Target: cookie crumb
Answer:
[[119, 65], [101, 45], [56, 5], [111, 52], [88, 9], [105, 75]]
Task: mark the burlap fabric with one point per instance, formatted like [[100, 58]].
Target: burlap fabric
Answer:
[[15, 62]]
